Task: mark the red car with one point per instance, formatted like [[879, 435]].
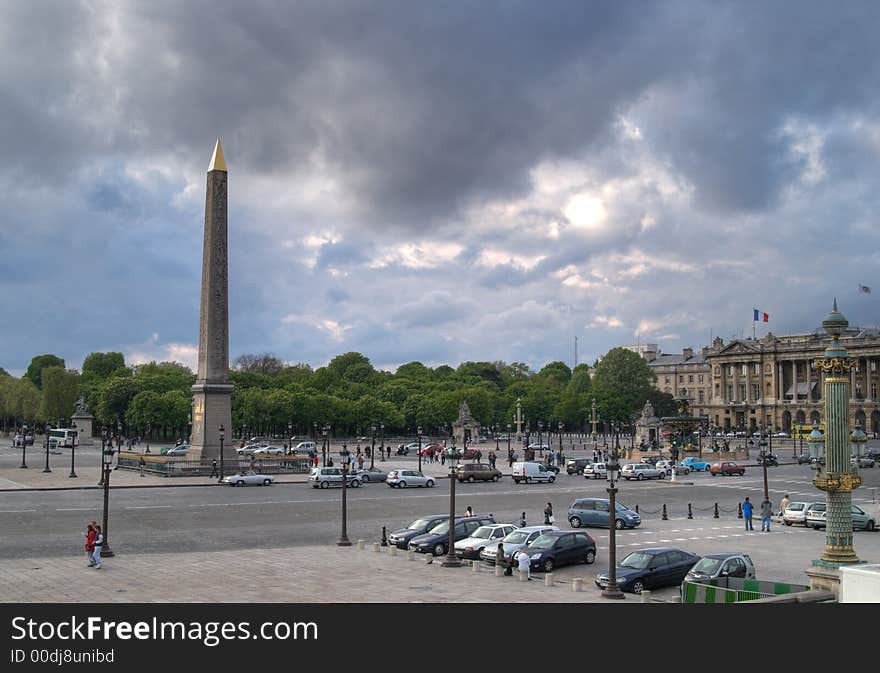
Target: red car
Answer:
[[431, 450], [726, 468]]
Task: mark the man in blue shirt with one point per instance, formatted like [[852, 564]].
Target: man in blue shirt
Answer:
[[747, 513]]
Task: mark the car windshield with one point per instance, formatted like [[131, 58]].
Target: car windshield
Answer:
[[708, 566], [440, 528], [621, 508], [418, 524], [516, 537], [483, 532], [796, 506], [636, 560], [543, 542]]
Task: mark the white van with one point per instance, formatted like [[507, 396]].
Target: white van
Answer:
[[306, 447], [529, 472]]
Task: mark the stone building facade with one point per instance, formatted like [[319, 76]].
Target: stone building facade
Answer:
[[748, 384]]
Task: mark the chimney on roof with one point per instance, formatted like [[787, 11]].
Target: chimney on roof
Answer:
[[687, 353]]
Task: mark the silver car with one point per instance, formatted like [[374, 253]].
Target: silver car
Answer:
[[324, 477], [248, 479], [861, 520], [639, 471], [269, 450], [514, 541], [796, 512], [485, 537], [404, 478], [371, 475]]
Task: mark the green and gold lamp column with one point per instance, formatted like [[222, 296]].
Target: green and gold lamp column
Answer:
[[837, 478]]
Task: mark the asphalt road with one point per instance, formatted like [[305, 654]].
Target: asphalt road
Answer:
[[50, 523]]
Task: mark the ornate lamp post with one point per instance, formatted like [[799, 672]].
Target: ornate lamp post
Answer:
[[382, 445], [837, 478], [816, 446], [495, 432], [540, 440], [24, 429], [325, 447], [763, 458], [452, 455], [343, 535], [527, 438], [372, 443], [105, 442], [612, 474], [594, 419], [561, 427], [48, 428], [149, 433], [72, 474], [508, 439], [289, 436], [222, 464], [419, 433], [106, 462]]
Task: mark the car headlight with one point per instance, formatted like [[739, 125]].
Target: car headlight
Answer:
[[536, 555]]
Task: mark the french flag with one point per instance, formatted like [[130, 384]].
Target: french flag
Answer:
[[760, 316]]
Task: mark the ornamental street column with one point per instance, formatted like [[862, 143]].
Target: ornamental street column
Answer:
[[212, 392]]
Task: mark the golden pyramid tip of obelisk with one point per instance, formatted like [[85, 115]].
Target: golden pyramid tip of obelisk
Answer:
[[218, 163]]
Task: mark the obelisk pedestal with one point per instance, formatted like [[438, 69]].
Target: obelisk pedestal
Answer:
[[212, 392]]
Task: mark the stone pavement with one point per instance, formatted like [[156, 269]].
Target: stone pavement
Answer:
[[311, 574]]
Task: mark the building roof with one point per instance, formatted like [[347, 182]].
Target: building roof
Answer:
[[678, 359]]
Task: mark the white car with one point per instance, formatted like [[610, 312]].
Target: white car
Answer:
[[667, 466], [796, 512], [250, 449], [595, 471], [639, 471], [248, 479], [404, 478], [324, 477], [488, 536], [269, 450]]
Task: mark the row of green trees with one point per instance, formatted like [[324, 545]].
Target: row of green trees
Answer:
[[348, 394]]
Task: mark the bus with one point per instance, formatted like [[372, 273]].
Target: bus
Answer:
[[64, 437]]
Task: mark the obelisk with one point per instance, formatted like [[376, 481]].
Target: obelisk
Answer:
[[212, 392]]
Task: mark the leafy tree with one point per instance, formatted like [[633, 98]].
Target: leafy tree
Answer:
[[557, 372], [115, 397], [38, 364], [580, 379], [102, 365], [341, 363], [60, 392], [622, 383], [266, 364], [414, 370], [572, 409], [3, 373]]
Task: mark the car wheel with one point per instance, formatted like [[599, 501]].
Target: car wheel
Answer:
[[471, 479], [590, 557], [494, 477], [429, 483], [687, 471], [266, 482], [619, 524], [815, 527], [712, 473], [575, 522], [638, 586], [355, 483], [439, 549], [639, 478], [548, 566], [787, 523], [662, 476], [870, 525], [551, 479], [516, 481], [402, 484], [239, 483], [528, 480], [366, 478], [325, 484]]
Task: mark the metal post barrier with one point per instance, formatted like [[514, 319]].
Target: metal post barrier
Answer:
[[360, 544], [411, 556], [646, 596], [739, 510], [577, 584], [475, 567], [499, 570], [523, 575], [637, 509], [377, 546], [384, 542], [715, 516], [690, 511], [664, 517], [392, 550]]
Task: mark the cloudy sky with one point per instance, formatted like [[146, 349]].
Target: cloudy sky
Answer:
[[436, 181]]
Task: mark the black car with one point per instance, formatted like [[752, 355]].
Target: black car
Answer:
[[400, 538], [435, 540], [803, 458], [560, 547], [647, 568], [577, 465], [651, 460]]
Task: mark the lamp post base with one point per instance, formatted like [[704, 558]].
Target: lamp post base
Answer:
[[46, 469], [343, 542], [613, 593], [451, 562], [106, 551]]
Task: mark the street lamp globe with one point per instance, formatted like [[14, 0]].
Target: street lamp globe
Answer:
[[857, 442], [816, 443]]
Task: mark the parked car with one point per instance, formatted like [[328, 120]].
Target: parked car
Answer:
[[401, 537], [595, 512], [371, 475], [471, 453], [595, 471], [412, 446], [668, 466], [558, 548], [649, 568], [804, 458], [726, 468], [781, 435], [796, 512], [178, 451], [248, 479], [726, 564], [269, 451], [639, 471], [324, 477], [576, 465], [861, 520], [485, 537], [538, 447], [249, 449], [516, 540], [862, 461], [435, 541], [404, 478], [309, 448], [529, 472], [696, 464], [472, 472], [873, 453], [650, 460]]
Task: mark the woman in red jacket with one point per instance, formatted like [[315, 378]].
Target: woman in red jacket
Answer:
[[90, 544]]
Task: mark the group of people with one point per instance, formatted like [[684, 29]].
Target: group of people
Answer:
[[748, 511], [94, 543]]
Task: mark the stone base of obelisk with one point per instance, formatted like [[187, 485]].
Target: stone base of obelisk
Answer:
[[212, 405]]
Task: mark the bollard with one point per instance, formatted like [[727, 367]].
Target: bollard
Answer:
[[715, 516], [664, 517], [392, 550], [523, 575], [376, 547], [384, 538], [637, 509], [548, 580], [410, 556], [739, 510], [676, 598], [690, 512], [361, 544], [646, 596], [428, 559], [499, 570], [577, 584], [475, 567]]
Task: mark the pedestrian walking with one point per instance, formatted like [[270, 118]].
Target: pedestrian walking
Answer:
[[766, 513], [442, 458], [99, 543], [783, 505], [499, 560], [525, 564], [214, 472], [360, 459], [747, 513], [90, 544], [509, 458], [141, 464], [469, 511], [548, 514]]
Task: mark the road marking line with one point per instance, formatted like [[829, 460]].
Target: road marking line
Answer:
[[74, 509], [15, 511], [149, 507]]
